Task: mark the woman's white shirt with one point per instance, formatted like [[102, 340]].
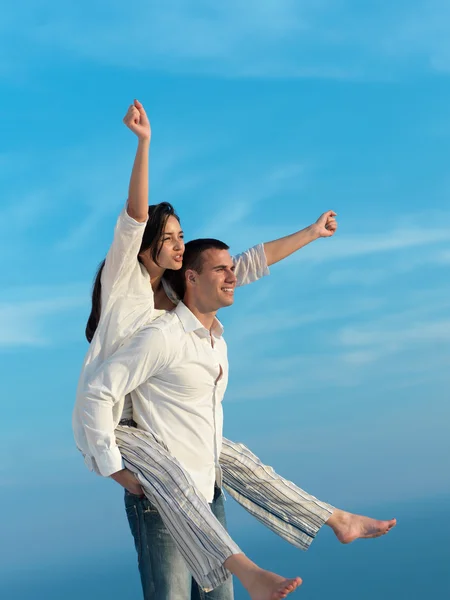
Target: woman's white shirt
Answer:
[[127, 305]]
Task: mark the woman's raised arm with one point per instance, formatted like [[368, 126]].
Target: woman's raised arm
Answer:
[[254, 263], [136, 119], [121, 260], [325, 226]]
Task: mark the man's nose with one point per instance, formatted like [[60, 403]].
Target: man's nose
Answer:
[[230, 277]]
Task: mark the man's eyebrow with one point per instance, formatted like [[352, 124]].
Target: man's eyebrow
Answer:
[[224, 266]]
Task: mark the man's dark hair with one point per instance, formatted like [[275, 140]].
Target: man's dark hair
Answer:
[[192, 259], [193, 252]]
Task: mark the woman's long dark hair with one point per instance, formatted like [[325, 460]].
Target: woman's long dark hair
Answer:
[[152, 238]]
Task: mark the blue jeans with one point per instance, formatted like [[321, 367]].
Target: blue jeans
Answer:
[[164, 574]]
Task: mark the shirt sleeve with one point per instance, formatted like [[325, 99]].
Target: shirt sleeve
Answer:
[[121, 259], [251, 265], [144, 355]]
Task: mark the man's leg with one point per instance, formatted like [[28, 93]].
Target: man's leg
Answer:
[[225, 590], [201, 539], [164, 573]]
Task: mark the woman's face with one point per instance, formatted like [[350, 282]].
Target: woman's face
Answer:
[[171, 254]]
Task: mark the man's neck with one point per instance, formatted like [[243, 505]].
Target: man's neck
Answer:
[[206, 318]]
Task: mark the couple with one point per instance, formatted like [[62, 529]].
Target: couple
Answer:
[[149, 403]]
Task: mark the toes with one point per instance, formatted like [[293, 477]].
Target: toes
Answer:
[[288, 587], [291, 586]]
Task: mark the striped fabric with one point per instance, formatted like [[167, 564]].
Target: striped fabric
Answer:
[[204, 543], [279, 504], [201, 539]]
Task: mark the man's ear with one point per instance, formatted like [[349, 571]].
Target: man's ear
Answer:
[[190, 277]]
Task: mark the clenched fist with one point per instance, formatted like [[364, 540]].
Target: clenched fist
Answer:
[[136, 119], [326, 224]]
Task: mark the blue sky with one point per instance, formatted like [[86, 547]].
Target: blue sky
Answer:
[[264, 115]]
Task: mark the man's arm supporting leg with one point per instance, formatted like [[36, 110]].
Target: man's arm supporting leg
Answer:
[[201, 539], [279, 504], [209, 552]]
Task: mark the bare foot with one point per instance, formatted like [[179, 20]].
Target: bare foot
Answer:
[[260, 584], [349, 527], [265, 585]]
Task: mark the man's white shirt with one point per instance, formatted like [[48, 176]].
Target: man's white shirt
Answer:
[[176, 371], [127, 306]]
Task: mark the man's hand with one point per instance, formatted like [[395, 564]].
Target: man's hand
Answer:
[[326, 224], [129, 481], [136, 119]]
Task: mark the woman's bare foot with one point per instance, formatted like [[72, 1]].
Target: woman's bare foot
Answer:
[[269, 586], [349, 527], [260, 584]]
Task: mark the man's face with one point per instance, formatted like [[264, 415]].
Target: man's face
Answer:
[[214, 286]]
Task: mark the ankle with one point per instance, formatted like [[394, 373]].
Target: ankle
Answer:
[[241, 566], [335, 518], [247, 572]]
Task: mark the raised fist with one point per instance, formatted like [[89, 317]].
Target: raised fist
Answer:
[[326, 224], [136, 119]]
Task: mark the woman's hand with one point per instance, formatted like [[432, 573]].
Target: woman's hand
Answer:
[[276, 250], [326, 224], [136, 119]]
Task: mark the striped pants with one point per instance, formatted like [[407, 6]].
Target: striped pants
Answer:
[[205, 545]]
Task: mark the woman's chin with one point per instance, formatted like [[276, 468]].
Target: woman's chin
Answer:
[[175, 265]]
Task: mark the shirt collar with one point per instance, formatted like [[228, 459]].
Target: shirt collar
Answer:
[[191, 323]]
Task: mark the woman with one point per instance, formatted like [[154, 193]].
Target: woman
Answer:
[[123, 301]]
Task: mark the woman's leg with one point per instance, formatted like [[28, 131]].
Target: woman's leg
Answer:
[[207, 548], [202, 541], [285, 508], [278, 503]]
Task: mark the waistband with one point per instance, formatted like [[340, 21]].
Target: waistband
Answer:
[[128, 423]]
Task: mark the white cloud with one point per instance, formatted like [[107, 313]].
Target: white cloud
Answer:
[[354, 245], [423, 33], [344, 345], [25, 322], [274, 38], [272, 316], [398, 265], [396, 338], [241, 197]]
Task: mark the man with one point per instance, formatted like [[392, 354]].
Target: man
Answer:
[[176, 370]]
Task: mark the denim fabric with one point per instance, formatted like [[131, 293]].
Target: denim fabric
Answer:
[[164, 573]]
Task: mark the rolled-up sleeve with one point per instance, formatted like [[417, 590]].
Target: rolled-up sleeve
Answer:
[[251, 265], [121, 259]]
